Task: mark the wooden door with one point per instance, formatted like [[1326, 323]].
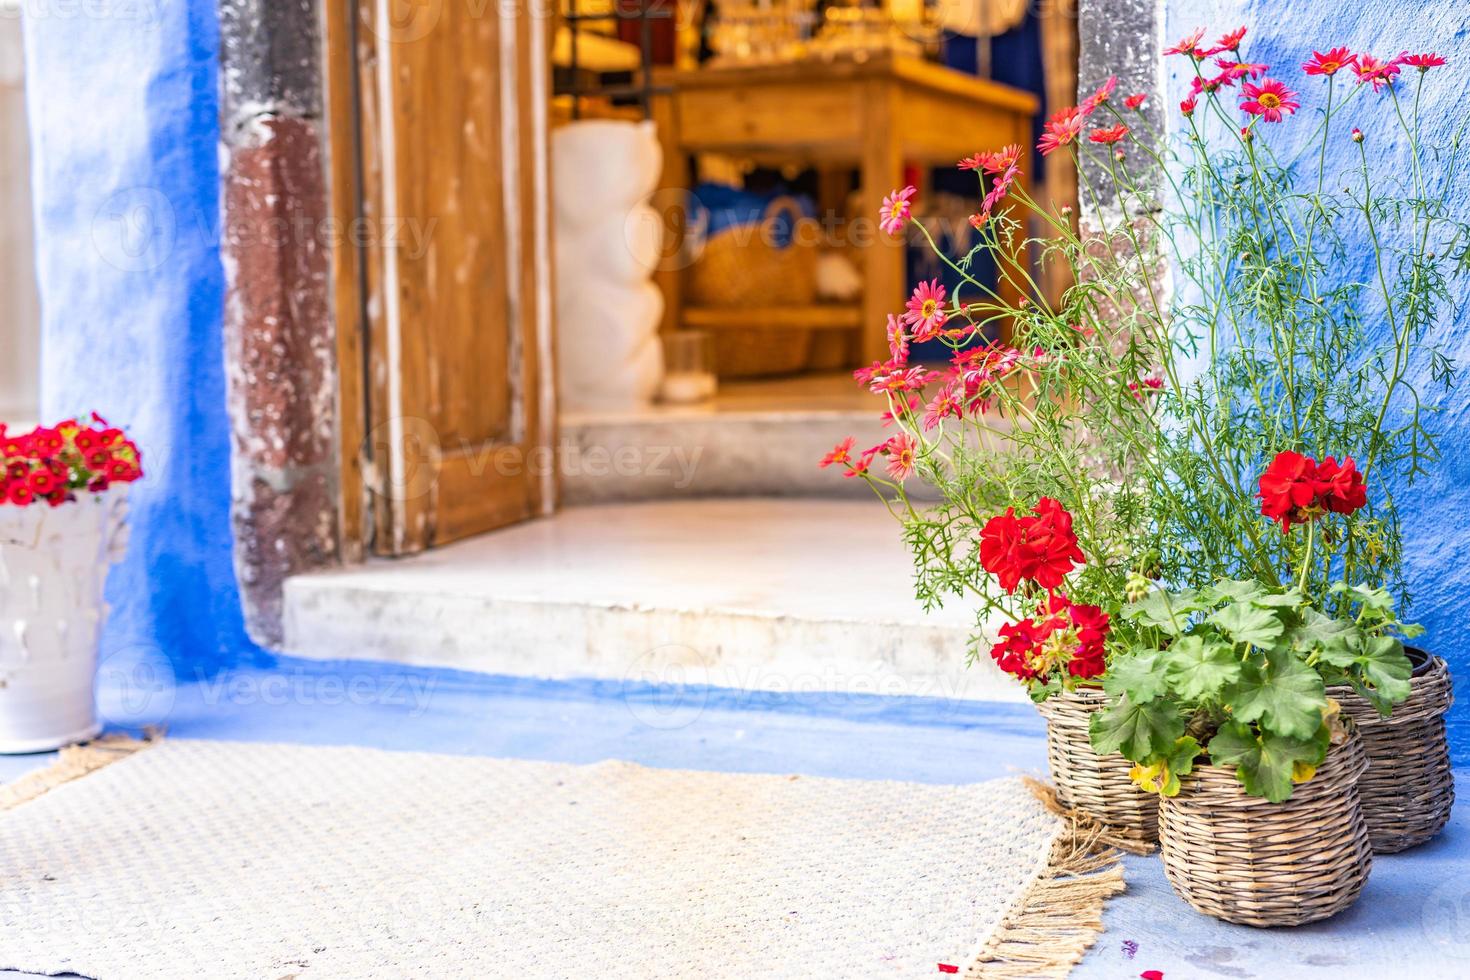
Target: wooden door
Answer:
[[445, 104]]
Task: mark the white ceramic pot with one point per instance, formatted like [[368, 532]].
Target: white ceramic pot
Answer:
[[53, 567]]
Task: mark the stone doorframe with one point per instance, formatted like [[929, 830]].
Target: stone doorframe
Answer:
[[280, 336], [293, 349]]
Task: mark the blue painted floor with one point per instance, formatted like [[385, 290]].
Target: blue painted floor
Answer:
[[1412, 921]]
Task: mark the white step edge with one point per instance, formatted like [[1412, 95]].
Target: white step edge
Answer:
[[496, 605]]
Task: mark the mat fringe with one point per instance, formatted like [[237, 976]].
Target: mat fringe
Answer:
[[75, 762], [1124, 840], [1050, 928]]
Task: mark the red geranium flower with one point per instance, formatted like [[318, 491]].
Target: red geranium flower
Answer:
[[1041, 548], [1288, 489], [1270, 100], [1340, 486], [1329, 63], [1012, 654], [1296, 489], [1062, 636], [1054, 542], [1003, 551]]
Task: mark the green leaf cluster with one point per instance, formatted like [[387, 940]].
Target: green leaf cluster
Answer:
[[1239, 671]]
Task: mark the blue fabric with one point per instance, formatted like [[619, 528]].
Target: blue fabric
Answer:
[[719, 207], [123, 117]]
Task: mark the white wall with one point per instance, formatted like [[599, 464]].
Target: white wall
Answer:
[[19, 305]]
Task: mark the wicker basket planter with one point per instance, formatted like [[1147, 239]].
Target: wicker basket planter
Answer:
[[1243, 859], [1408, 789], [1098, 785]]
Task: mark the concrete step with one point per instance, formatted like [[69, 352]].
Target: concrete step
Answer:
[[754, 594], [756, 438]]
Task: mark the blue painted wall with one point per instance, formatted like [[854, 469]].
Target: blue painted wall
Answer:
[[1283, 33], [124, 132]]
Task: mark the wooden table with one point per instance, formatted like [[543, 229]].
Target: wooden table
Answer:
[[876, 115]]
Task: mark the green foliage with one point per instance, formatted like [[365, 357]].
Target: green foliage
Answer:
[[1242, 668], [1234, 279], [1139, 731]]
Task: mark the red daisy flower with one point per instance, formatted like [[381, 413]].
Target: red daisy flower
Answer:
[[1423, 62], [925, 310], [896, 210], [898, 342], [1270, 100], [1200, 84], [864, 461], [841, 454], [1374, 72], [1190, 44], [1101, 96], [945, 405], [1230, 41], [1112, 134], [1134, 101], [999, 189], [20, 494], [993, 162], [901, 452], [1188, 105], [1061, 129], [1329, 63], [1241, 69]]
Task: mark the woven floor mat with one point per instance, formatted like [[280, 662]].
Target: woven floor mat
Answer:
[[224, 860]]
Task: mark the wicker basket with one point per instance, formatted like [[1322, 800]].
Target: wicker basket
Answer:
[[1246, 860], [1097, 785], [740, 268], [1409, 787]]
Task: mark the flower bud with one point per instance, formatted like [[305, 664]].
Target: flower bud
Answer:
[[1136, 587], [1357, 135]]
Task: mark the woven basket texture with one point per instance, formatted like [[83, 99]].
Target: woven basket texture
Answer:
[[1098, 785], [741, 268], [1409, 787], [1246, 860]]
